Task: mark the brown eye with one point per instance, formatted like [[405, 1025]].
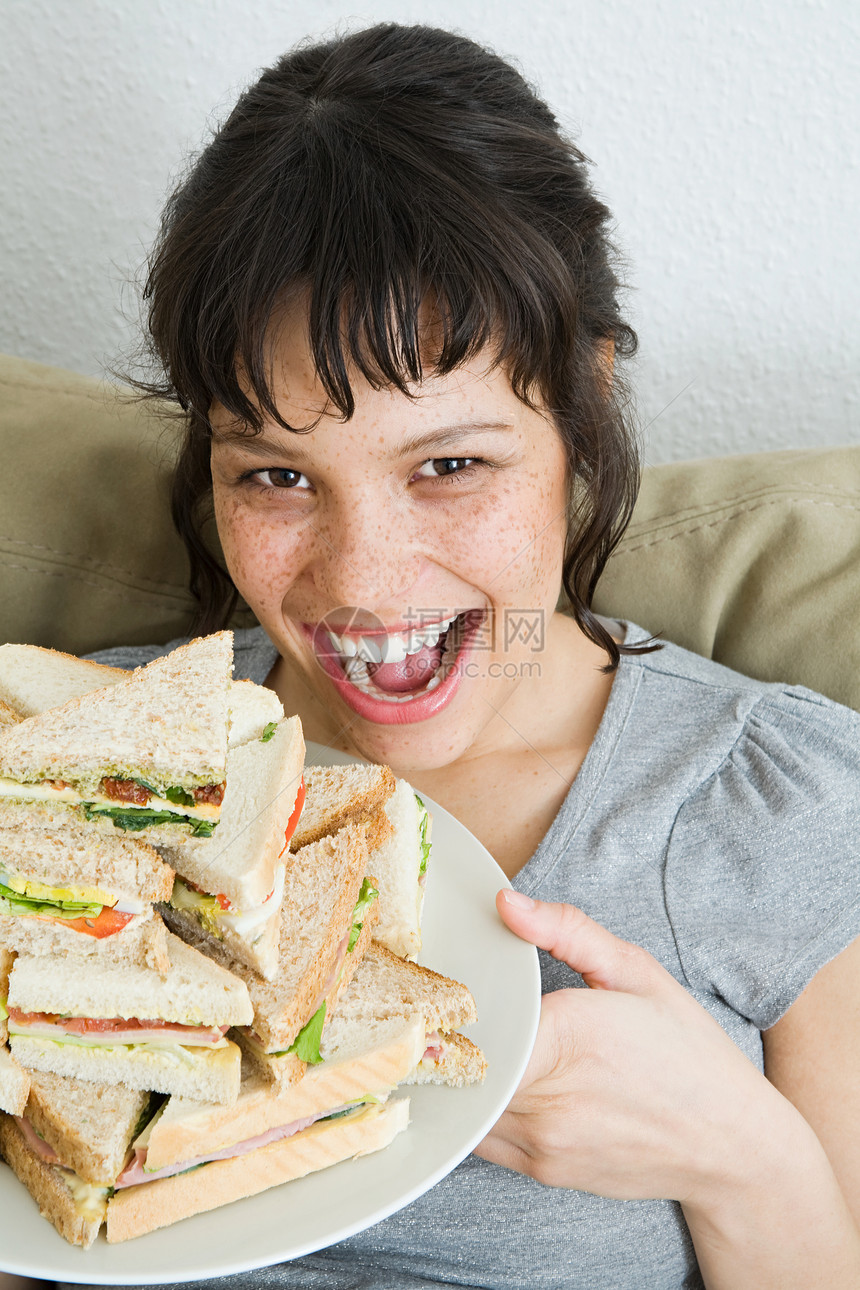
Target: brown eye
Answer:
[[281, 477], [440, 466]]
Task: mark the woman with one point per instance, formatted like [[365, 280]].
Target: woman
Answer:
[[384, 296]]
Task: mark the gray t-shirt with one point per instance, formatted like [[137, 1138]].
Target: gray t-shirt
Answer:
[[715, 821]]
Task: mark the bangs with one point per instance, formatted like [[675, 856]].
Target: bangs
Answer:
[[403, 259]]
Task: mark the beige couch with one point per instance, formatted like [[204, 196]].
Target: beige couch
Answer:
[[754, 561]]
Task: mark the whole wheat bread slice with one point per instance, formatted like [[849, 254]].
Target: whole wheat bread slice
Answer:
[[89, 1126], [141, 943], [67, 852], [283, 1069], [165, 723], [387, 986], [45, 1184], [339, 795]]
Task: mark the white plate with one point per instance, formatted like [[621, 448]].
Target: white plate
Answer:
[[463, 938]]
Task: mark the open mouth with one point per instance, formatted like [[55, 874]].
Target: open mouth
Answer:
[[398, 668]]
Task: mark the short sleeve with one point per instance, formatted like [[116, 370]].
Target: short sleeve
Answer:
[[762, 876]]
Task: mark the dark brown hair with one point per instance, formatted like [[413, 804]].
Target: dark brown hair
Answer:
[[367, 175]]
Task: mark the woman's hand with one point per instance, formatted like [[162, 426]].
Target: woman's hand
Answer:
[[633, 1090]]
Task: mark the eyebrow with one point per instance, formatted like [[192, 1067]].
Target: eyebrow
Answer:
[[258, 445]]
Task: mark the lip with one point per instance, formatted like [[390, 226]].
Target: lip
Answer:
[[421, 708]]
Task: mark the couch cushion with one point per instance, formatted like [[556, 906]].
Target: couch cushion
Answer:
[[751, 560], [89, 556]]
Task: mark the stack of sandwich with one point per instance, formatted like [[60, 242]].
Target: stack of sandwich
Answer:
[[167, 877]]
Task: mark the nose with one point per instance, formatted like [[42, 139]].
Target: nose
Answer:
[[363, 555]]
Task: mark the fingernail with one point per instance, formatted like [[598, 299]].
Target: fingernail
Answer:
[[518, 899]]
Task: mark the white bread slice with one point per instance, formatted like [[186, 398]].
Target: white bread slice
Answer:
[[134, 1211], [14, 1084], [203, 1074], [259, 952], [8, 716], [77, 1221], [195, 991], [239, 861], [370, 1061], [339, 795], [385, 985], [89, 1126], [252, 708], [165, 723], [141, 943], [33, 679], [460, 1062], [321, 889], [396, 867]]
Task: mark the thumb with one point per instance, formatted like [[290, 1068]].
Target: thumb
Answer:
[[604, 961]]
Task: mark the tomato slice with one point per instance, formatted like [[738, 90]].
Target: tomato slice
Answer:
[[294, 818], [107, 923]]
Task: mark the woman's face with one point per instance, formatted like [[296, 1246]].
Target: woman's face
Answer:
[[405, 562]]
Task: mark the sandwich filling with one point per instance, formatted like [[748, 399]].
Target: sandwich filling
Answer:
[[113, 1032], [131, 804], [135, 1172], [92, 911], [216, 915]]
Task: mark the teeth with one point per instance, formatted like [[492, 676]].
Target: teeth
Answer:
[[356, 669], [348, 646], [394, 649]]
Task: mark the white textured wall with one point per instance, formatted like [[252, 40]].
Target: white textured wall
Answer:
[[724, 137]]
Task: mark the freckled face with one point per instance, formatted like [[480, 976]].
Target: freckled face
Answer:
[[413, 512]]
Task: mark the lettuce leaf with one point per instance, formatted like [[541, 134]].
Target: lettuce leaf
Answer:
[[133, 819], [12, 903], [306, 1044], [423, 841], [366, 897]]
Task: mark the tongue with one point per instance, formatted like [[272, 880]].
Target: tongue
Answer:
[[412, 674]]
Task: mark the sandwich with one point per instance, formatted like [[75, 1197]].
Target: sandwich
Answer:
[[126, 1024], [229, 890], [385, 986], [339, 795], [67, 1145], [33, 679], [398, 825], [147, 752], [328, 910], [266, 1137], [68, 889], [14, 1080], [400, 868], [90, 1153]]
